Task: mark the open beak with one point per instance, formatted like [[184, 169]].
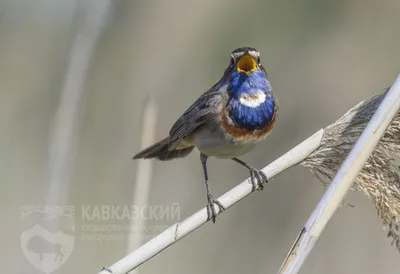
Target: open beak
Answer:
[[246, 64]]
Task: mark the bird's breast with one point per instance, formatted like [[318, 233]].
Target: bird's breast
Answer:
[[249, 119]]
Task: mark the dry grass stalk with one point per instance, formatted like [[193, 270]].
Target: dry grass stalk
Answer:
[[379, 179]]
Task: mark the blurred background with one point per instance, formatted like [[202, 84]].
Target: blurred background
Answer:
[[75, 77]]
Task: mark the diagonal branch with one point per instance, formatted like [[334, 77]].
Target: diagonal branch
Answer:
[[181, 229]]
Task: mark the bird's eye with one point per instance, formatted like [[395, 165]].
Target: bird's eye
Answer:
[[258, 59]]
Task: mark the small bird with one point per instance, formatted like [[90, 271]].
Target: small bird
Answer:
[[226, 121]]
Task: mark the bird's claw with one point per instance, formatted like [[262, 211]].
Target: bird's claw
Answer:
[[257, 178], [211, 213]]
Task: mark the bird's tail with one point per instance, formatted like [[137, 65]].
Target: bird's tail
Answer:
[[160, 151]]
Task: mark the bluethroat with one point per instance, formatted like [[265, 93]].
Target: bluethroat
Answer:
[[226, 121]]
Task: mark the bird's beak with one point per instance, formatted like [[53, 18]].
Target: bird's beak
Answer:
[[246, 64]]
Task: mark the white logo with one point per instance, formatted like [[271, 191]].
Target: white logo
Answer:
[[49, 238]]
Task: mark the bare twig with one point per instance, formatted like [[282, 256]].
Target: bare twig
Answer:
[[181, 229]]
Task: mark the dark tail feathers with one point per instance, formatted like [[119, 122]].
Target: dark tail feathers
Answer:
[[161, 152]]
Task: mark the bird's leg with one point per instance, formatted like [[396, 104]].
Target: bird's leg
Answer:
[[211, 202], [257, 177]]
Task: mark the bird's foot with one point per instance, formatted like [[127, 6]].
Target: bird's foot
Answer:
[[257, 179], [211, 213]]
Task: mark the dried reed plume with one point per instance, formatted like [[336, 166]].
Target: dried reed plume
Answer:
[[379, 178]]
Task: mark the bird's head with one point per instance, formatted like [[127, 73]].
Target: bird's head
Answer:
[[245, 72], [245, 60]]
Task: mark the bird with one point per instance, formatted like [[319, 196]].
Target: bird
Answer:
[[225, 122]]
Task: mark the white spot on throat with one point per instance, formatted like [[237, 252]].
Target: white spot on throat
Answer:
[[253, 100]]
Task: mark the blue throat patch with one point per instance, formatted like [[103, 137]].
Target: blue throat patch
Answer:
[[244, 116]]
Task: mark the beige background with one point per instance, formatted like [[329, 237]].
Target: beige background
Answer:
[[322, 57]]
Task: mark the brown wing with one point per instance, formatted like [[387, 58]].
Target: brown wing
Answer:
[[203, 109]]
